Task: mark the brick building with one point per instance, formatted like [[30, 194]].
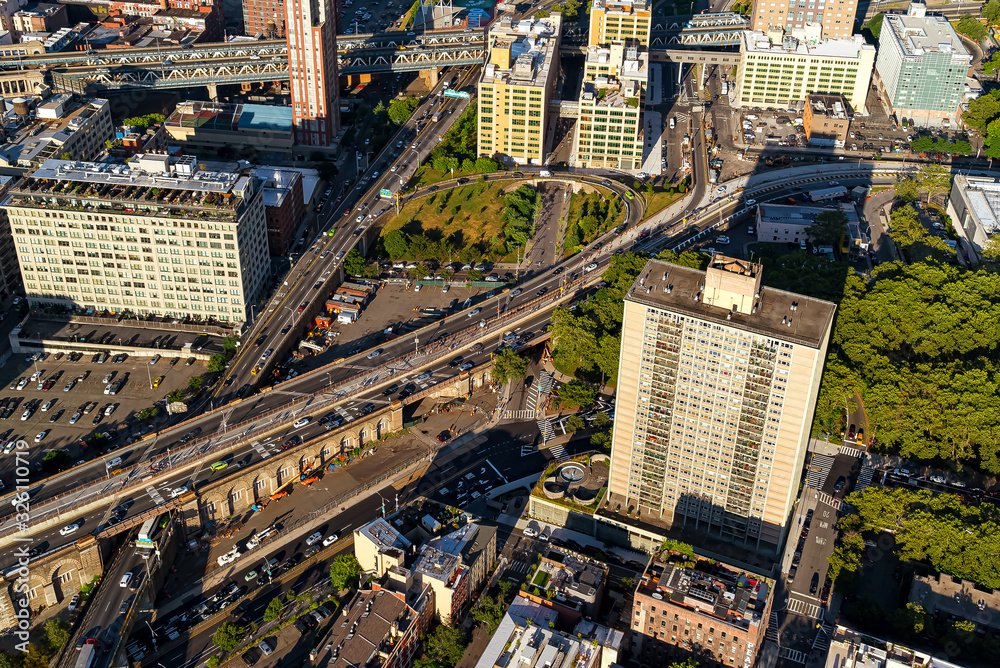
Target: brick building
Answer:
[[712, 612]]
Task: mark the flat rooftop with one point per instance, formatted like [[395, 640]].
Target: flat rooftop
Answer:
[[621, 6], [735, 596], [532, 44], [918, 35], [793, 214], [679, 289], [954, 596], [755, 41], [45, 136], [384, 535], [213, 116], [983, 195]]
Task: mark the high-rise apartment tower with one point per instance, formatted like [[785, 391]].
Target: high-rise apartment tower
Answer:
[[836, 16], [717, 385], [312, 66]]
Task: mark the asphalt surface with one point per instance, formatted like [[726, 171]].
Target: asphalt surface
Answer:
[[502, 450]]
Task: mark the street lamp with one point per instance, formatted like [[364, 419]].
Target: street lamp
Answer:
[[416, 345]]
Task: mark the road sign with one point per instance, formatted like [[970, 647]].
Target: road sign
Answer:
[[385, 193], [456, 93]]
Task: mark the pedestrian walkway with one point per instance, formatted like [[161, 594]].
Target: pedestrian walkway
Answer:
[[819, 469], [526, 414], [805, 608], [866, 475], [557, 451], [545, 427], [772, 629], [821, 642], [851, 452], [793, 655]]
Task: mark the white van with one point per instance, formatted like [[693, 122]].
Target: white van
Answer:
[[112, 463], [545, 173], [673, 122]]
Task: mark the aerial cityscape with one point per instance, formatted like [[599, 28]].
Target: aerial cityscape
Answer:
[[496, 334]]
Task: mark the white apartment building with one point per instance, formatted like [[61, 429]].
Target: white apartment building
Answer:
[[153, 236], [778, 70]]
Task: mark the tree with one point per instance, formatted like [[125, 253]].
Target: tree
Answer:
[[55, 635], [575, 423], [229, 636], [446, 644], [217, 363], [689, 663], [400, 110], [213, 661], [354, 263], [98, 441], [230, 343], [874, 26], [991, 12], [396, 244], [575, 394], [828, 228], [56, 460], [65, 155], [273, 610], [8, 661], [489, 612], [972, 28], [36, 657], [508, 366], [175, 396], [148, 413], [984, 108], [196, 383], [345, 572], [934, 179], [907, 190], [601, 421]]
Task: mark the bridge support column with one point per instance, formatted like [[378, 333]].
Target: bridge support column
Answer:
[[213, 92], [430, 76]]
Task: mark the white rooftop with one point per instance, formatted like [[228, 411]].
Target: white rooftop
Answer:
[[755, 41], [918, 35], [137, 173]]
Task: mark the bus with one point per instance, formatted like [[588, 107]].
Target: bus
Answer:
[[148, 531], [87, 656]]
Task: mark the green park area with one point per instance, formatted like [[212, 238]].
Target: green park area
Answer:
[[486, 220]]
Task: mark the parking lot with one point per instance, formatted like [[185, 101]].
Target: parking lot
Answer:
[[370, 16], [64, 400], [402, 308]]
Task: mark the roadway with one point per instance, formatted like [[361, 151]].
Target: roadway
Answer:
[[365, 388], [502, 449]]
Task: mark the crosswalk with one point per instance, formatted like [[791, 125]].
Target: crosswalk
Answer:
[[154, 495], [528, 449], [545, 427], [518, 567], [866, 475], [805, 608], [260, 450], [772, 629], [819, 469], [851, 452], [540, 390], [557, 451], [793, 655], [822, 640], [831, 501], [525, 414]]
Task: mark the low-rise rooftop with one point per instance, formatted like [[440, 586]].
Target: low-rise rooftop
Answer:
[[733, 596], [757, 42]]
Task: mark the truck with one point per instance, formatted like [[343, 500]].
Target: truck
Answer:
[[447, 84], [88, 654], [436, 117], [725, 88], [826, 194]]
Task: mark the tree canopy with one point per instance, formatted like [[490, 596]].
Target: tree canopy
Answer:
[[984, 108], [937, 529], [446, 644], [229, 636], [400, 110], [971, 27], [575, 394], [874, 26], [828, 228], [508, 366], [919, 343], [991, 12], [345, 571]]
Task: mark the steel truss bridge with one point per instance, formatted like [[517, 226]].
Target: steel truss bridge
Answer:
[[267, 60]]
